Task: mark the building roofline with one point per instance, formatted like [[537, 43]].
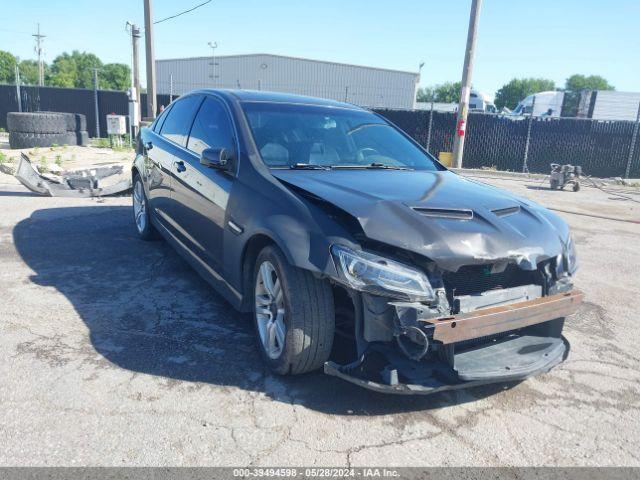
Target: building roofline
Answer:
[[205, 57]]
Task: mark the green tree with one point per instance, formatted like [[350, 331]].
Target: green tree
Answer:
[[29, 72], [115, 76], [73, 70], [7, 67], [574, 86], [425, 94], [448, 92], [577, 83], [518, 88]]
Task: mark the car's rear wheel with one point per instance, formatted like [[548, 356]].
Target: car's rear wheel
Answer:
[[141, 215], [294, 315]]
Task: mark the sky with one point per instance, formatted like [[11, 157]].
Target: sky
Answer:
[[516, 38]]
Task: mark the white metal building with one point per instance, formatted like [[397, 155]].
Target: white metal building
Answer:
[[365, 86]]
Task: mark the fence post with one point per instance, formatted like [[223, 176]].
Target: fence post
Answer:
[[429, 129], [634, 138], [18, 88], [525, 167], [95, 99]]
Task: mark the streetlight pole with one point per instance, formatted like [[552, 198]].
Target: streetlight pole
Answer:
[[467, 71], [415, 97], [213, 46]]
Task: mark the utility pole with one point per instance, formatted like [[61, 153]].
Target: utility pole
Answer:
[[95, 100], [467, 71], [39, 51], [135, 43], [151, 60]]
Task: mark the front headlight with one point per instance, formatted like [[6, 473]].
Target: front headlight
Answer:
[[378, 275]]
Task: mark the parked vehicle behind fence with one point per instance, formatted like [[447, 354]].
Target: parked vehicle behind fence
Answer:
[[541, 104], [354, 249]]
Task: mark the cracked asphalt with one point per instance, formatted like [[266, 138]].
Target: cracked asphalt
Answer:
[[113, 352]]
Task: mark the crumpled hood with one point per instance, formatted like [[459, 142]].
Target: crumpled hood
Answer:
[[451, 220]]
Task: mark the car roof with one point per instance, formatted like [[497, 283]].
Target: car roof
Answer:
[[247, 96]]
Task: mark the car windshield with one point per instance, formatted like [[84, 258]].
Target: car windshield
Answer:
[[317, 137]]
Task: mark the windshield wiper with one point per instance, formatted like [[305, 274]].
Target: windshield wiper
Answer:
[[308, 166], [372, 166], [382, 166]]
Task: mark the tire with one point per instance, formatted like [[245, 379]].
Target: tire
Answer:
[[308, 316], [36, 122], [29, 140], [554, 184], [76, 122], [82, 138], [145, 229]]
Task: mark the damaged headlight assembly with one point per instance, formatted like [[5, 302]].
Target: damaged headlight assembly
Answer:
[[378, 275]]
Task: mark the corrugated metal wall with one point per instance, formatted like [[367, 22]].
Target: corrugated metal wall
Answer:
[[365, 86]]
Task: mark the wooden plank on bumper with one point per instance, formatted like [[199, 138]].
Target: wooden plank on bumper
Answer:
[[490, 321]]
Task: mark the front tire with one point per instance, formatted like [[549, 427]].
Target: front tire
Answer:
[[294, 315], [141, 214]]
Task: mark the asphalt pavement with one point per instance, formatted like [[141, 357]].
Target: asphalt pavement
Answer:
[[113, 352]]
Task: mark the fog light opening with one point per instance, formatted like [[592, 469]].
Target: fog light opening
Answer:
[[413, 342]]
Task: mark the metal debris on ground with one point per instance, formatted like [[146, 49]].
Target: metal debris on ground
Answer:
[[88, 182]]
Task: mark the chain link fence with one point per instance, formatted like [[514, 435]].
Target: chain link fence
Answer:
[[601, 148], [530, 144]]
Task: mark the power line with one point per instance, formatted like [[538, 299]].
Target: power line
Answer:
[[14, 31], [182, 13]]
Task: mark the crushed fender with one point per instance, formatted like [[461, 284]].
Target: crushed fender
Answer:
[[89, 182]]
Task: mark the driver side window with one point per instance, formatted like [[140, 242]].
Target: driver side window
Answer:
[[211, 128]]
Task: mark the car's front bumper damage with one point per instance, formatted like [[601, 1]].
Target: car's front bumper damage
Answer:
[[508, 342]]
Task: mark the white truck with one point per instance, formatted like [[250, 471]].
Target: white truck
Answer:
[[609, 105], [481, 102], [542, 104]]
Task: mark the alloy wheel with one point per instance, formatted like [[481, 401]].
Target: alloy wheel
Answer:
[[139, 207], [270, 310]]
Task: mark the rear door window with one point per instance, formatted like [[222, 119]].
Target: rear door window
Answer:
[[157, 125], [211, 128], [179, 119]]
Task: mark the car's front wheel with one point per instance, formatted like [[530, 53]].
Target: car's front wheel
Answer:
[[294, 315]]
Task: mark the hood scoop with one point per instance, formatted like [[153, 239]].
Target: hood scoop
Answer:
[[504, 212], [455, 214]]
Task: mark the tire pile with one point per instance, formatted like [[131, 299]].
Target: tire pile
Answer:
[[44, 129]]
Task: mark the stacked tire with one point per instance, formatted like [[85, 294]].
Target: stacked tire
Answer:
[[44, 129]]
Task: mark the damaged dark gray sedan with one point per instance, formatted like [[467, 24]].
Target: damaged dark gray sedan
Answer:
[[353, 248]]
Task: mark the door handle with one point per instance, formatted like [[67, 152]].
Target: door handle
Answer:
[[179, 164]]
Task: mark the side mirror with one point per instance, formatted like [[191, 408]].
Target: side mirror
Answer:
[[215, 158]]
